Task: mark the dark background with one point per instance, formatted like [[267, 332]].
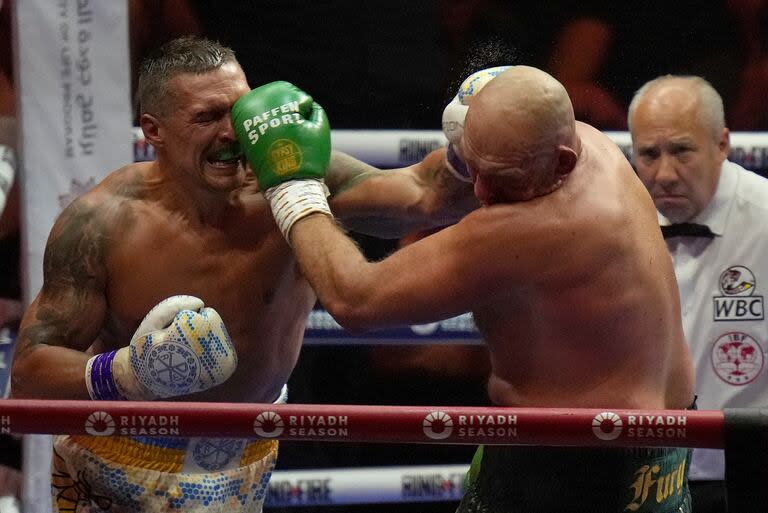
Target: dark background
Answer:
[[394, 65]]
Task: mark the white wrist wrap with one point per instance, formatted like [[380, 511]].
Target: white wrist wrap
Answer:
[[296, 199]]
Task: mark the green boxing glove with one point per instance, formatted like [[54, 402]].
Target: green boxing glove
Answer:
[[286, 138], [285, 135]]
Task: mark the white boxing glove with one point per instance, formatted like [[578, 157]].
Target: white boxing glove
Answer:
[[179, 348], [455, 112]]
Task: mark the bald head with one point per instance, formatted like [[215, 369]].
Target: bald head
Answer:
[[679, 143], [672, 96], [519, 123], [520, 113]]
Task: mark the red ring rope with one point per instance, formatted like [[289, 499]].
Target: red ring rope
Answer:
[[387, 424]]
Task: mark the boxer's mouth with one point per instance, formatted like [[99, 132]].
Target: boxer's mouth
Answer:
[[226, 157]]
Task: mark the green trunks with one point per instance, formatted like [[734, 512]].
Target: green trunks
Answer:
[[524, 479]]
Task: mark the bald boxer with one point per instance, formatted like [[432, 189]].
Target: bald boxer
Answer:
[[189, 238], [570, 284]]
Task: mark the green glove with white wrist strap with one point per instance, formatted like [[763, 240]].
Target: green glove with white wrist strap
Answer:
[[286, 138]]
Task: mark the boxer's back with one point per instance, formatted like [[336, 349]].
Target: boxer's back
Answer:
[[597, 323]]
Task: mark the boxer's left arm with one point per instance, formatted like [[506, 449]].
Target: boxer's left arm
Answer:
[[392, 203], [433, 193]]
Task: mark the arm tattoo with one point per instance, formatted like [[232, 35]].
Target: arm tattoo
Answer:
[[346, 172], [74, 256], [73, 266], [50, 327]]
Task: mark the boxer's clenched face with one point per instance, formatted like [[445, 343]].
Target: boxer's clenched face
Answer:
[[677, 156], [198, 135]]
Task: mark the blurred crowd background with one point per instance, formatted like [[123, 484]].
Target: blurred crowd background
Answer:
[[394, 64], [391, 64]]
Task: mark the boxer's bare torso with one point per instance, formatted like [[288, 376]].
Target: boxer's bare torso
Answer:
[[597, 322], [194, 222], [238, 265], [140, 237], [573, 290], [138, 249]]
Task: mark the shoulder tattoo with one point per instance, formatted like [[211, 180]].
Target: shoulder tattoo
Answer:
[[73, 266], [77, 246]]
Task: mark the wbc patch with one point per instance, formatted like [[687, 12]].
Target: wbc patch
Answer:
[[738, 301]]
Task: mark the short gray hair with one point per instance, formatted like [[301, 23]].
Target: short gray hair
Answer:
[[711, 108], [186, 54]]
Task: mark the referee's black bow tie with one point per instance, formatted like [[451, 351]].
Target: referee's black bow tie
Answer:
[[686, 230]]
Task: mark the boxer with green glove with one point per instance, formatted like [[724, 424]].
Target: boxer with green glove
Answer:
[[287, 140]]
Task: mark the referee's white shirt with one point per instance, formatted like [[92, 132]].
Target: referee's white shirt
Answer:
[[723, 282]]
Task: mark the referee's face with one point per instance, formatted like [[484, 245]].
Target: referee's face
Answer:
[[677, 156]]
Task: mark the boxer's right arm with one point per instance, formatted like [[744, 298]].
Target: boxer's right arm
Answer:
[[66, 316], [52, 358], [178, 349]]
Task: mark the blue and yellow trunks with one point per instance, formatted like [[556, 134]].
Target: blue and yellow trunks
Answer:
[[150, 474], [124, 475], [510, 479]]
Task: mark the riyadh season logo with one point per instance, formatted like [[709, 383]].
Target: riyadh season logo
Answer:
[[100, 423], [437, 425], [607, 425], [268, 424]]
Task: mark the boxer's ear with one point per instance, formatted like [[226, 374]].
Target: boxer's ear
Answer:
[[150, 126], [566, 160]]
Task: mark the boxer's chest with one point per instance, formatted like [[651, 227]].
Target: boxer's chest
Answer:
[[246, 277]]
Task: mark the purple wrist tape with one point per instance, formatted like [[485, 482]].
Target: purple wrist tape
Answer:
[[102, 382]]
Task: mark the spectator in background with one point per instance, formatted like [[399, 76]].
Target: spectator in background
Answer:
[[718, 238], [479, 34], [369, 65], [10, 284], [153, 23], [364, 65], [606, 51], [600, 51], [750, 109], [577, 56], [9, 191]]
